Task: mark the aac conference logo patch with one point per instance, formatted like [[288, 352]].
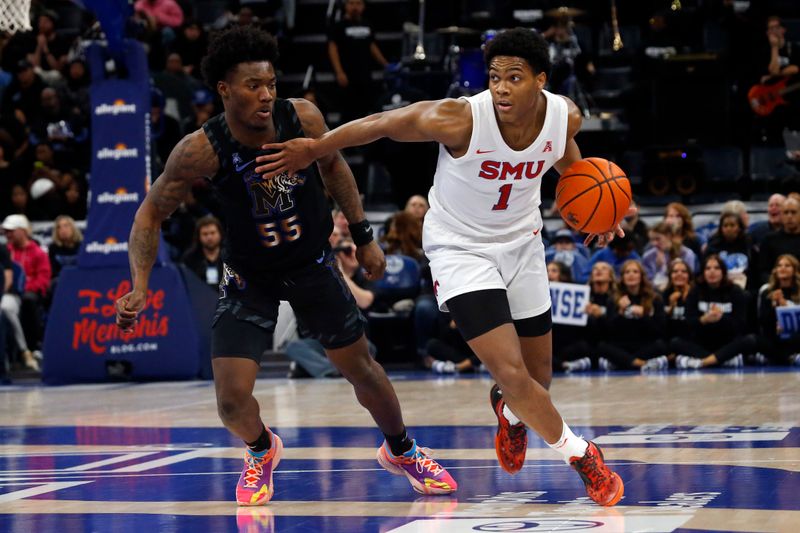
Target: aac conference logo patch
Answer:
[[118, 107]]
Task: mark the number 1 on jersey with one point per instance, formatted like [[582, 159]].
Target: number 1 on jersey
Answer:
[[502, 203]]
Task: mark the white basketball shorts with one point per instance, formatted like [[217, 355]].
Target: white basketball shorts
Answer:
[[517, 266]]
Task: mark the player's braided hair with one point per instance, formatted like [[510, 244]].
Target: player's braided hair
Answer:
[[524, 43], [238, 44]]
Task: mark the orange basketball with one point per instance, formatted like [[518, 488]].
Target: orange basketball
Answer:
[[593, 195]]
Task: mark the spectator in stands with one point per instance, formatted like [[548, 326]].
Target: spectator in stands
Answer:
[[620, 250], [782, 290], [340, 221], [759, 230], [160, 13], [67, 239], [785, 241], [62, 127], [716, 311], [664, 248], [674, 298], [76, 75], [36, 266], [736, 207], [165, 132], [635, 330], [351, 50], [782, 60], [191, 43], [46, 202], [176, 85], [732, 243], [680, 219], [776, 59], [204, 258], [51, 49], [602, 295], [405, 236], [447, 352], [637, 229], [75, 199], [417, 206], [20, 200], [24, 93], [202, 110], [179, 229], [5, 287], [565, 250]]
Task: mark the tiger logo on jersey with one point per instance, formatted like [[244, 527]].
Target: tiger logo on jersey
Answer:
[[273, 195]]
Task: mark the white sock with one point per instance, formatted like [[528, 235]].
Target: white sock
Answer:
[[569, 445], [511, 417]]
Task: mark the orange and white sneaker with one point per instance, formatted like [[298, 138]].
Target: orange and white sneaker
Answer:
[[511, 441], [255, 484], [425, 474], [602, 485]]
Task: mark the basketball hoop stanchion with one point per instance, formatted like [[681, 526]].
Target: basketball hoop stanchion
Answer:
[[15, 15]]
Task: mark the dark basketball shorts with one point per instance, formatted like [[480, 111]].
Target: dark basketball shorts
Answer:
[[247, 310]]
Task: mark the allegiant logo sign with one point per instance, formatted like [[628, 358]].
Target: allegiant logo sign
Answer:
[[119, 107], [120, 196], [110, 246], [120, 151]]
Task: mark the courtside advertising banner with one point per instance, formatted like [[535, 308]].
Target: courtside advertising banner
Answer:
[[87, 345], [569, 302], [120, 110]]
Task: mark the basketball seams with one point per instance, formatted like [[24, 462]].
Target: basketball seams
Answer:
[[596, 205]]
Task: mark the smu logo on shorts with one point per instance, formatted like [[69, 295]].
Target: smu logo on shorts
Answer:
[[501, 170]]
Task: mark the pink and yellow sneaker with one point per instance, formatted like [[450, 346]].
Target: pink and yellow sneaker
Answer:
[[255, 484], [425, 474]]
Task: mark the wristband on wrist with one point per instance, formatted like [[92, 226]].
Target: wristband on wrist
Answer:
[[361, 232]]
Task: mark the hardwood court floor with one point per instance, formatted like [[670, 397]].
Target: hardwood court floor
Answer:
[[716, 451]]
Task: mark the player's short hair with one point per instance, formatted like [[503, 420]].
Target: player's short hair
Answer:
[[521, 42], [238, 44]]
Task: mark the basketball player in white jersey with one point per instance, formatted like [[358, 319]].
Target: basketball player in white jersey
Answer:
[[482, 233]]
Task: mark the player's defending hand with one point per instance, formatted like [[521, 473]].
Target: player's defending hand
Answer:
[[604, 238], [128, 308], [289, 157], [370, 256]]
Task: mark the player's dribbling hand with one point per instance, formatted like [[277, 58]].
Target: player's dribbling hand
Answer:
[[604, 238], [128, 308], [289, 157], [371, 257]]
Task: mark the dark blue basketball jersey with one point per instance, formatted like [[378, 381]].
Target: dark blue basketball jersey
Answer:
[[270, 224]]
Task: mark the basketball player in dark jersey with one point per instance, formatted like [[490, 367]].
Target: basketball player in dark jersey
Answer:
[[276, 248]]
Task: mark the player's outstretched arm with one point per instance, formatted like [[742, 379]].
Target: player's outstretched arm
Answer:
[[448, 122], [192, 158], [341, 185]]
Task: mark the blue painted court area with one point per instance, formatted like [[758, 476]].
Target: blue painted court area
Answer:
[[139, 478]]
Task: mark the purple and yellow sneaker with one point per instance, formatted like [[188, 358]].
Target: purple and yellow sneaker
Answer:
[[255, 484], [425, 474]]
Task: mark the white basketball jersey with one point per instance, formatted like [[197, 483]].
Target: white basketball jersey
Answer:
[[492, 193]]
